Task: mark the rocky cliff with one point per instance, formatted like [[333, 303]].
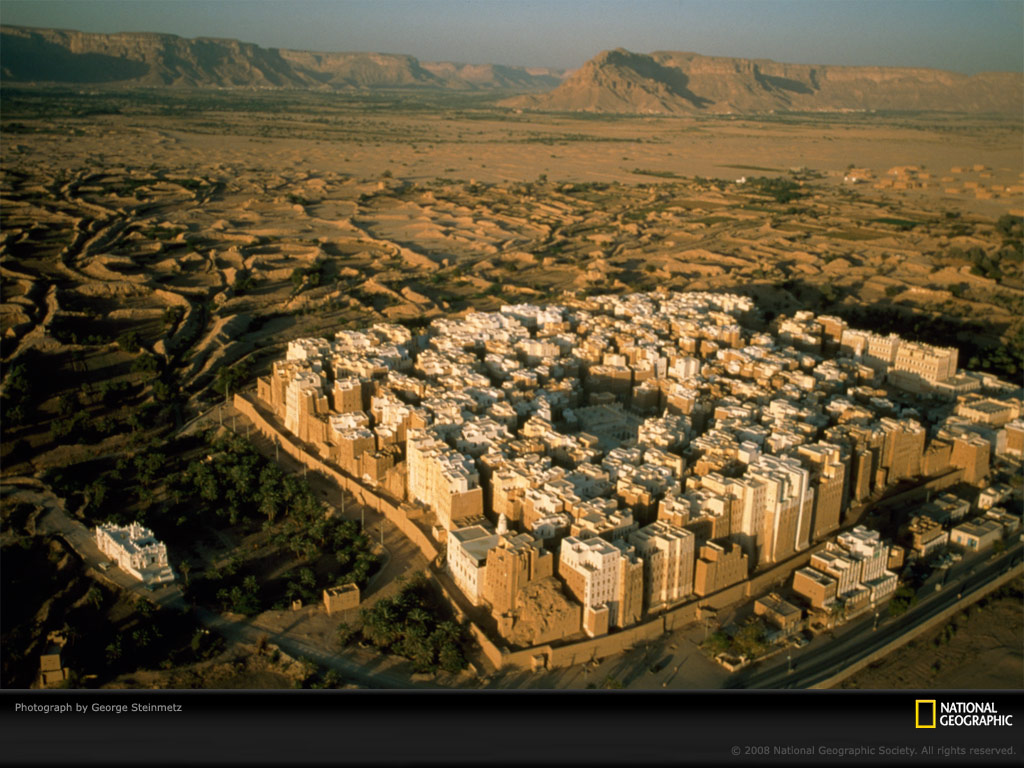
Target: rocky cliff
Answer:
[[668, 82], [618, 81], [32, 55]]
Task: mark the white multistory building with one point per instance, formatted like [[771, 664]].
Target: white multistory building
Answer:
[[135, 551], [303, 384], [467, 558], [787, 505], [667, 552], [603, 577], [867, 547]]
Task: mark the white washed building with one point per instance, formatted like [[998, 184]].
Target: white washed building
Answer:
[[135, 551]]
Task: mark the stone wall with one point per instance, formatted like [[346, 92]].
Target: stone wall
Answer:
[[548, 656]]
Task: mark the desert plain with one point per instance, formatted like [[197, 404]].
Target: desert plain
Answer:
[[159, 248]]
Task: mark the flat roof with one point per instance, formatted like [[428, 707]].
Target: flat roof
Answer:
[[979, 528], [816, 575]]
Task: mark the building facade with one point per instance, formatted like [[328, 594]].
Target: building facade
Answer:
[[135, 551]]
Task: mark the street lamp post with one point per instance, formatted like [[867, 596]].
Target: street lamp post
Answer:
[[874, 628], [789, 660]]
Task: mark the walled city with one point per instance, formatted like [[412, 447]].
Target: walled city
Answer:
[[585, 466]]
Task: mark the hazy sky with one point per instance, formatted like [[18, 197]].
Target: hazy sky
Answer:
[[965, 36]]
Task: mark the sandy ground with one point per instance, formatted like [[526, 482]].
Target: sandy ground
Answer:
[[193, 230]]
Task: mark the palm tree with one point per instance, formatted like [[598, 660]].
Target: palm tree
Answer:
[[185, 567], [449, 628], [418, 615], [114, 649], [94, 597], [343, 634]]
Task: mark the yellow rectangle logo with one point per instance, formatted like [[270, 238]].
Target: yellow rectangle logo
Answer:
[[924, 713]]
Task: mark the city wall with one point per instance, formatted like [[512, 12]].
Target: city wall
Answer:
[[548, 656], [365, 494], [543, 655], [552, 657]]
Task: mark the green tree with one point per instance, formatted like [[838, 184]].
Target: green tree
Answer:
[[94, 597], [344, 634], [129, 341], [114, 650], [451, 658], [67, 405], [307, 578], [172, 315], [750, 640], [332, 679], [95, 494], [146, 364], [1010, 227], [902, 600], [231, 378]]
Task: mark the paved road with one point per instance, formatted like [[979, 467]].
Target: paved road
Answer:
[[857, 639]]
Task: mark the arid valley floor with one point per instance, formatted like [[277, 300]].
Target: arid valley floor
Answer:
[[157, 247]]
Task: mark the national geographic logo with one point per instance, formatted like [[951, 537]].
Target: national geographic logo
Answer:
[[925, 713], [929, 713]]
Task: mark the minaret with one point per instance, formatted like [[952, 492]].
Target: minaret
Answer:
[[502, 524]]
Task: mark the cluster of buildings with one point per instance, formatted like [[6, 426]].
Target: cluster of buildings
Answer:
[[600, 460], [976, 180], [982, 185], [852, 573], [945, 520]]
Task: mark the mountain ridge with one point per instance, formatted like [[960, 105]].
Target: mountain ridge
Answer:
[[39, 55], [616, 81], [678, 82]]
